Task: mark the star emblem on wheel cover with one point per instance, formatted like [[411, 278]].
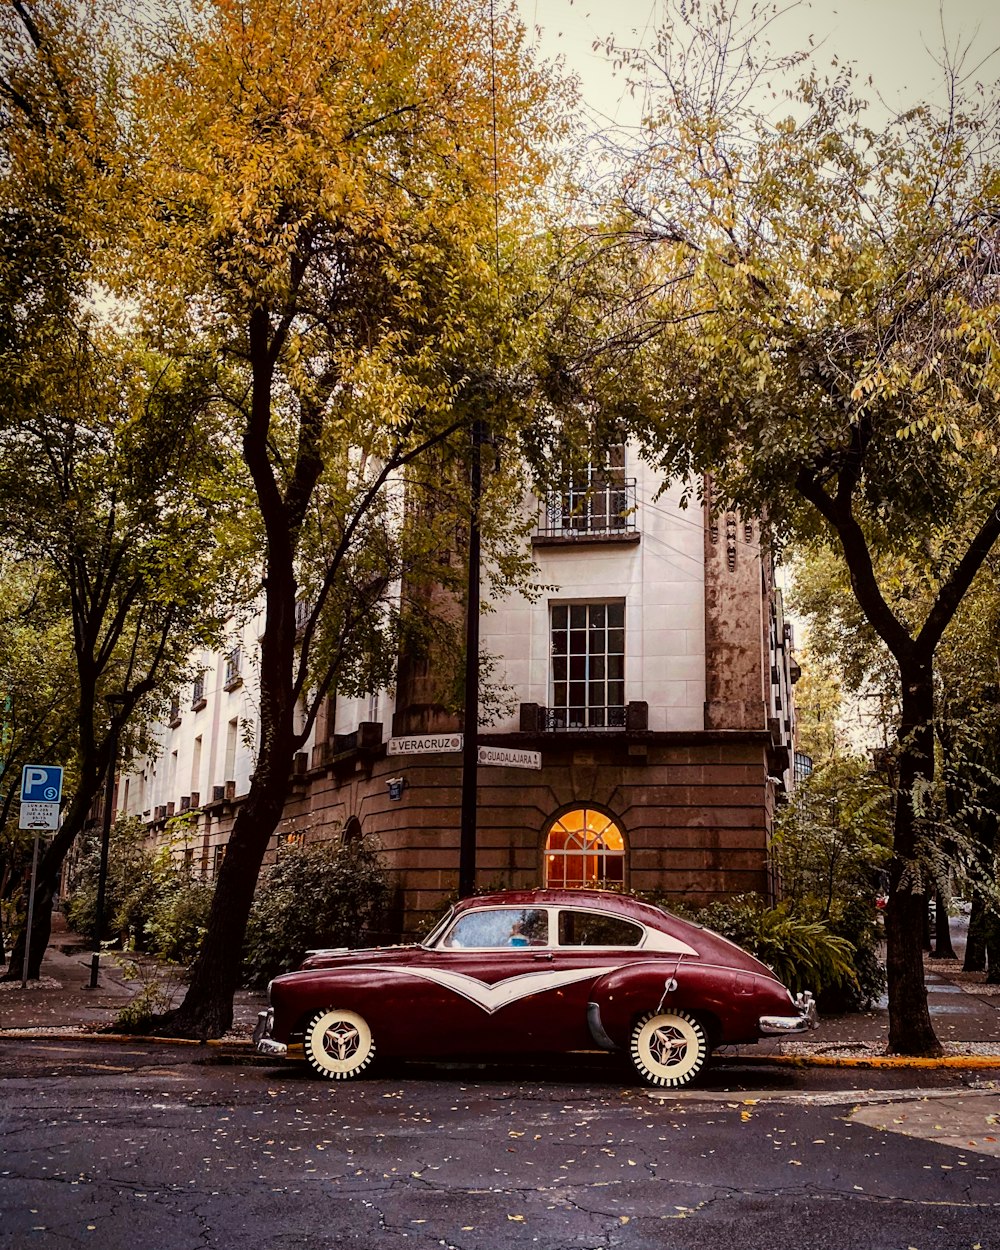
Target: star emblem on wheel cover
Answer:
[[667, 1046], [341, 1041]]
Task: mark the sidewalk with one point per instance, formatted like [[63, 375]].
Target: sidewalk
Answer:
[[965, 1011], [63, 1001]]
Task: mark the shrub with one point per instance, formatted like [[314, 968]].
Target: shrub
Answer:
[[805, 954], [327, 894], [151, 998], [830, 850], [176, 926], [130, 889], [856, 921], [153, 901]]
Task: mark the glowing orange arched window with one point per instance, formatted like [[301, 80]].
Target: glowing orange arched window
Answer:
[[584, 848]]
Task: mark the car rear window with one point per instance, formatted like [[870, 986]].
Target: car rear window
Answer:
[[591, 928], [507, 926]]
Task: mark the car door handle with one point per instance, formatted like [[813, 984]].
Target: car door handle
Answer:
[[543, 955]]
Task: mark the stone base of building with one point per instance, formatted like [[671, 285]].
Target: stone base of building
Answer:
[[694, 810]]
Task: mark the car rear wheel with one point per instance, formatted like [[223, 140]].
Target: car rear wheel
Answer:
[[668, 1048], [338, 1043]]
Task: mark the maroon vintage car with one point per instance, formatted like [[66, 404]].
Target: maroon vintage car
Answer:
[[534, 971]]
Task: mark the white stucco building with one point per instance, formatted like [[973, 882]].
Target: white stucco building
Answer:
[[653, 678]]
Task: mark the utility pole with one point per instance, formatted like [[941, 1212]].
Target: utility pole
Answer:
[[113, 701], [470, 744]]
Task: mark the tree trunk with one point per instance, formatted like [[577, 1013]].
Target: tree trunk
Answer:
[[943, 948], [992, 930], [975, 942], [910, 1029], [41, 931], [49, 870], [207, 1009]]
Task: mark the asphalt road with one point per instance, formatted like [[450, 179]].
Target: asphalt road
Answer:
[[125, 1146]]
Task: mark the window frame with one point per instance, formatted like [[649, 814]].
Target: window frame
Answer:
[[585, 851], [587, 670], [643, 931]]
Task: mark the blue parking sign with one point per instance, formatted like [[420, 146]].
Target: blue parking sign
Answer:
[[41, 783]]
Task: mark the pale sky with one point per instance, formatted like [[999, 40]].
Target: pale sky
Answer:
[[887, 39]]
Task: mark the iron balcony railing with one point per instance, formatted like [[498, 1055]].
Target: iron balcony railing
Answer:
[[633, 717], [556, 718], [603, 506]]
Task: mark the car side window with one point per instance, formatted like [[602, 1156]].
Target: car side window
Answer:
[[590, 928], [500, 927]]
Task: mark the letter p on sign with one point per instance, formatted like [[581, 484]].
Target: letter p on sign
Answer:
[[41, 783]]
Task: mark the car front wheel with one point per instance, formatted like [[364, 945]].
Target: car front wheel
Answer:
[[668, 1048], [339, 1044]]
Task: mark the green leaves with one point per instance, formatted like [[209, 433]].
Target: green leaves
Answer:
[[836, 273], [328, 894]]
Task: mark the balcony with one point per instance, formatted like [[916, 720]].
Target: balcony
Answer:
[[603, 510], [633, 718]]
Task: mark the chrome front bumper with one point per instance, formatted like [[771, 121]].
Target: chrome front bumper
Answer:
[[806, 1019], [262, 1039]]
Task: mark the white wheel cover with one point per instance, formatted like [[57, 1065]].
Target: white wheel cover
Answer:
[[669, 1048], [338, 1044]]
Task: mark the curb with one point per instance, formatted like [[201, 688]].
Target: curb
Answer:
[[53, 1035], [864, 1061]]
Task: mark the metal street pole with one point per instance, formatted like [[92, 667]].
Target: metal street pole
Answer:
[[31, 913], [102, 876], [470, 744]]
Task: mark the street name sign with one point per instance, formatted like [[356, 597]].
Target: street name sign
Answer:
[[510, 757], [424, 744]]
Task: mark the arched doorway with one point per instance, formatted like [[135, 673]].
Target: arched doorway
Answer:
[[584, 848]]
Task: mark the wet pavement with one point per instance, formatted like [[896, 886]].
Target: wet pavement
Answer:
[[115, 1145], [118, 1142], [62, 999]]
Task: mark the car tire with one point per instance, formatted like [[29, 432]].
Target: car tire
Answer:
[[668, 1048], [339, 1044]]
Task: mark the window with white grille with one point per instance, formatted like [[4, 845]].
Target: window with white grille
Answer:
[[594, 500], [588, 665], [584, 847]]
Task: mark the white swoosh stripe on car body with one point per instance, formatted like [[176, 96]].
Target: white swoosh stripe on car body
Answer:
[[492, 997]]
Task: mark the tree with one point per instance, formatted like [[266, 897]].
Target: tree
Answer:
[[821, 309], [818, 709], [331, 186], [37, 686], [108, 480], [966, 797]]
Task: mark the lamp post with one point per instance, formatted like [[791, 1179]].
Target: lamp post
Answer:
[[114, 701]]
